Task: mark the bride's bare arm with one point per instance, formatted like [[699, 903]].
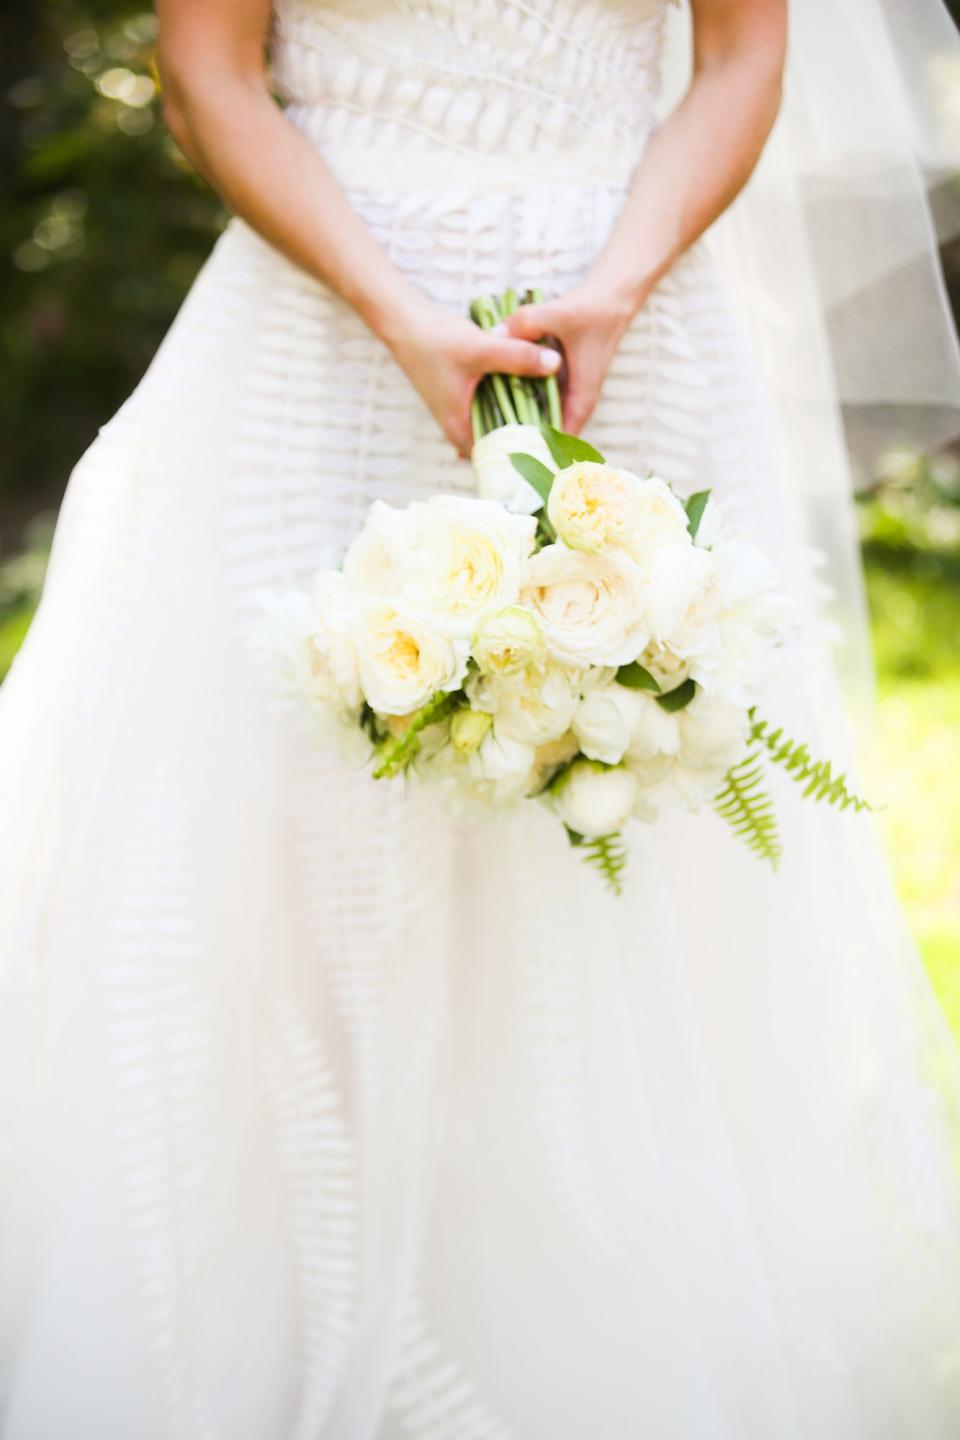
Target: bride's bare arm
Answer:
[[219, 109], [692, 169]]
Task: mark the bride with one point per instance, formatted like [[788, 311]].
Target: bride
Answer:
[[324, 1118]]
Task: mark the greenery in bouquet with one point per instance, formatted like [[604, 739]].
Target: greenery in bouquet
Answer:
[[576, 634]]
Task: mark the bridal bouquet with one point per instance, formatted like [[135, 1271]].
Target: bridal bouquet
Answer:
[[575, 633]]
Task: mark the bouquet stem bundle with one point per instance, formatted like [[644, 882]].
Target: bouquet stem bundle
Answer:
[[511, 399]]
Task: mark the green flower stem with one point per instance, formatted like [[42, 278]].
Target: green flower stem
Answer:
[[551, 386], [554, 408], [512, 399], [491, 409], [521, 388], [502, 392]]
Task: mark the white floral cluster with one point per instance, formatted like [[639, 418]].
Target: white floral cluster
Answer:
[[601, 652]]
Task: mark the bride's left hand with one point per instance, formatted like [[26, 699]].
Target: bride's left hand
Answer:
[[589, 322]]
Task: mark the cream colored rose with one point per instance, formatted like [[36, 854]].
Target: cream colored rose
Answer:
[[617, 723], [713, 732], [596, 677], [403, 660], [374, 562], [501, 769], [713, 735], [467, 558], [602, 723], [534, 705], [593, 799], [537, 704], [592, 606], [684, 598], [331, 674], [309, 638], [653, 730], [558, 752], [669, 670], [753, 619], [508, 640], [593, 505], [660, 520], [497, 479]]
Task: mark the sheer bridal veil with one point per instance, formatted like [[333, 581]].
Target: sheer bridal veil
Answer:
[[831, 252]]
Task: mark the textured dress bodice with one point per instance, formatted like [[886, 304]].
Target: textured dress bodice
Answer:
[[549, 87]]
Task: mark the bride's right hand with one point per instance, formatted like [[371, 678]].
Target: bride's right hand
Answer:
[[444, 356]]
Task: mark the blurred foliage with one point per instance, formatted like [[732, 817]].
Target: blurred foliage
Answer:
[[102, 229], [910, 527], [911, 516]]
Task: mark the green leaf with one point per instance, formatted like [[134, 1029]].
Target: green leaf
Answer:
[[607, 854], [566, 449], [679, 698], [573, 836], [396, 752], [748, 809], [636, 677], [534, 472], [695, 505], [816, 776]]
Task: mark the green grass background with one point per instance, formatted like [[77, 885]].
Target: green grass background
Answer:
[[916, 623]]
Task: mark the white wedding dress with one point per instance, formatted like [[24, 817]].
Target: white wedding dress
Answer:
[[323, 1116]]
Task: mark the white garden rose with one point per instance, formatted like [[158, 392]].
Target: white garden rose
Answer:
[[660, 520], [593, 505], [592, 606], [332, 675], [602, 723], [593, 799], [684, 598], [669, 670], [713, 736], [716, 524], [467, 558], [501, 769], [596, 677], [654, 785], [508, 640], [556, 752], [751, 621], [713, 732], [374, 562], [403, 660], [653, 730], [617, 723], [534, 705], [497, 479], [308, 639]]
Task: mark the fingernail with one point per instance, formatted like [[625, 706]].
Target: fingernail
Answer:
[[498, 329], [549, 360]]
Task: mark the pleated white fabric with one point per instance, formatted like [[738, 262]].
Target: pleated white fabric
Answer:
[[324, 1116]]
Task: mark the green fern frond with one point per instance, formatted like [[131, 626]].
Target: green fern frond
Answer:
[[607, 854], [816, 776], [397, 752], [748, 809]]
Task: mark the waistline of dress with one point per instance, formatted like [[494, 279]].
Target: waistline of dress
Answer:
[[389, 165]]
